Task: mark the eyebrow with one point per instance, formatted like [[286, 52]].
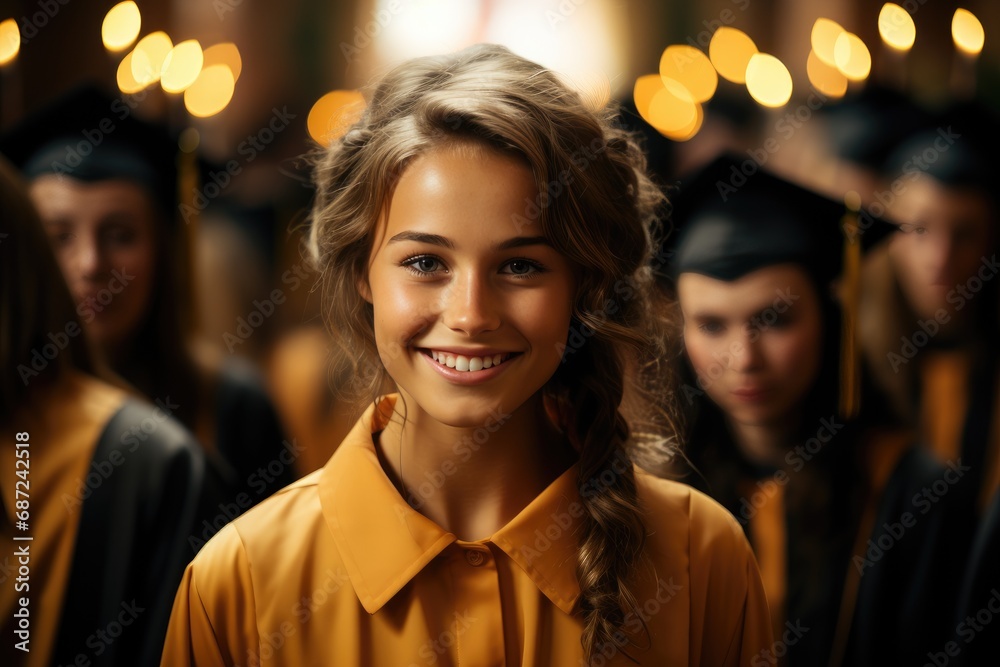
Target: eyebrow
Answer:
[[436, 239], [716, 316]]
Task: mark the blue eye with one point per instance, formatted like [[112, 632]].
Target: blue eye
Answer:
[[423, 264]]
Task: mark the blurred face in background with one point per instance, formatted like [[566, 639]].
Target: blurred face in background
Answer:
[[946, 234], [755, 343], [104, 237]]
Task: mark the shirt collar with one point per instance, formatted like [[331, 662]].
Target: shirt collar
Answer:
[[387, 543]]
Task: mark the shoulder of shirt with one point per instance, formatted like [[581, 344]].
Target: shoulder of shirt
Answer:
[[279, 518], [680, 506]]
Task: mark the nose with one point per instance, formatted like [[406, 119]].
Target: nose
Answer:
[[746, 354], [940, 257], [89, 261], [470, 305]]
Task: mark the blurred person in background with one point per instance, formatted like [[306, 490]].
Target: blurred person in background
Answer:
[[107, 484], [930, 306], [930, 329], [772, 436], [106, 186]]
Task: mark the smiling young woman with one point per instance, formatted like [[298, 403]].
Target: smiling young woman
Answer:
[[486, 511]]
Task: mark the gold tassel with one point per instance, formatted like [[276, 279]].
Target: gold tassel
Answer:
[[850, 371], [187, 184]]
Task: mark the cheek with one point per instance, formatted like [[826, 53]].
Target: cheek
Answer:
[[401, 310], [138, 258], [66, 258], [906, 254], [546, 315], [794, 356], [700, 351]]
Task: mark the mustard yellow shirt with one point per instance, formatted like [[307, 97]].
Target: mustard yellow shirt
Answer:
[[337, 569]]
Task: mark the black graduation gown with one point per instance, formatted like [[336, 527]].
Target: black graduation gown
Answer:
[[900, 594], [252, 457], [976, 637], [132, 547]]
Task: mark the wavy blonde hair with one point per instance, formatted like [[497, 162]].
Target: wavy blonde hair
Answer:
[[597, 207]]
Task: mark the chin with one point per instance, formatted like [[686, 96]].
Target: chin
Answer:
[[465, 409]]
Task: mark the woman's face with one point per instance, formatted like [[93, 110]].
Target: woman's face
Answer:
[[755, 343], [104, 238], [946, 235], [471, 307]]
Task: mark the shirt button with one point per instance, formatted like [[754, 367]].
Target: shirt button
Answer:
[[474, 558]]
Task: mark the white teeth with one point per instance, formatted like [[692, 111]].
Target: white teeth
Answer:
[[466, 364]]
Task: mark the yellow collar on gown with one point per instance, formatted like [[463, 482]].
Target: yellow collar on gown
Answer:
[[385, 542]]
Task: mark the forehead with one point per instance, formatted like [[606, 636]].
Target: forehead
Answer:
[[926, 196], [464, 188], [77, 199], [736, 299]]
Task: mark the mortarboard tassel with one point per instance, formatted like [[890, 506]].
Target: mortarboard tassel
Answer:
[[850, 386], [187, 185]]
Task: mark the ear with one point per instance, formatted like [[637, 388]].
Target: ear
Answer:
[[364, 289]]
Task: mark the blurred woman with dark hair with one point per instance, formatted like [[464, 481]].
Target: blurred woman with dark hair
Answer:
[[106, 186], [105, 487], [777, 434], [931, 312]]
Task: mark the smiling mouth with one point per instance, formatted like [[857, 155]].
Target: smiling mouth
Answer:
[[465, 363]]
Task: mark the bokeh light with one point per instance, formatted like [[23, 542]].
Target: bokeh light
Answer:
[[211, 91], [126, 80], [225, 53], [852, 57], [896, 27], [148, 56], [691, 68], [121, 26], [333, 114], [672, 108], [730, 51], [646, 87], [688, 132], [182, 66], [828, 80], [967, 32], [10, 40], [768, 80], [824, 38]]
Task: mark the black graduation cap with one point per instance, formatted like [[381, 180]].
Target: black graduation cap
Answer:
[[957, 147], [90, 135], [734, 217], [865, 127]]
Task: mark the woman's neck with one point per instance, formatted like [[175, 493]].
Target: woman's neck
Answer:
[[764, 444], [473, 481]]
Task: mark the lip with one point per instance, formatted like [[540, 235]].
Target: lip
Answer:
[[751, 394], [467, 378], [90, 297]]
